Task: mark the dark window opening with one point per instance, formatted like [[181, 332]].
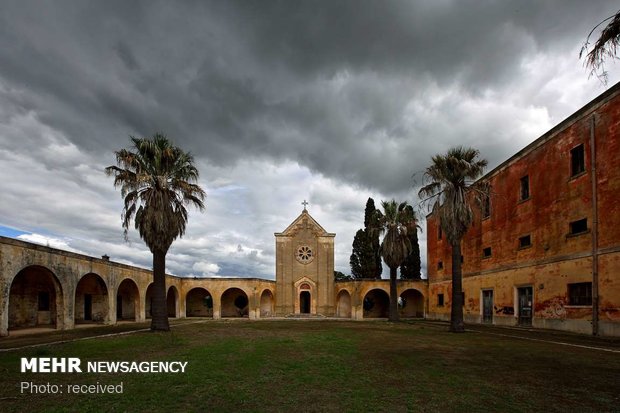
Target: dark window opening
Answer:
[[88, 307], [525, 187], [462, 259], [486, 253], [577, 160], [580, 294], [486, 206], [440, 265], [439, 300], [525, 241], [44, 301], [578, 227]]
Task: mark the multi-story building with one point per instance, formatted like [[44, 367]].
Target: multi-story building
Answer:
[[545, 249]]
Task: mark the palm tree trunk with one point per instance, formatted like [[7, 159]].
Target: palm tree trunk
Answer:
[[456, 312], [393, 295], [159, 320]]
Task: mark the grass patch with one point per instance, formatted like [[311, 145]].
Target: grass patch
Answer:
[[326, 366]]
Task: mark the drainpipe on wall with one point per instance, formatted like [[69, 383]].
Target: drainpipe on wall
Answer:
[[594, 229]]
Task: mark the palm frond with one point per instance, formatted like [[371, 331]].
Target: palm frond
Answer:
[[157, 181], [449, 189]]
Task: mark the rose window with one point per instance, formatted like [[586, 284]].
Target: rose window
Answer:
[[304, 254]]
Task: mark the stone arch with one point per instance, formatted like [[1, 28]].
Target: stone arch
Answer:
[[343, 304], [411, 303], [172, 301], [198, 303], [235, 303], [148, 301], [91, 300], [376, 303], [36, 299], [127, 300], [267, 303]]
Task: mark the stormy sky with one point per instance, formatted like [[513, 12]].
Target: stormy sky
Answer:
[[278, 101]]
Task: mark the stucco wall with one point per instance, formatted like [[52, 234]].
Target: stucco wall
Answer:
[[555, 258]]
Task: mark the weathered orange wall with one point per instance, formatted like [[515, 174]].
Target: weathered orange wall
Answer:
[[554, 259]]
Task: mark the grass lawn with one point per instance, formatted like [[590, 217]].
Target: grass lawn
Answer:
[[291, 365]]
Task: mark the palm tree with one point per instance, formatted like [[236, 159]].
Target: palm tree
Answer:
[[451, 185], [156, 178], [394, 222], [606, 46]]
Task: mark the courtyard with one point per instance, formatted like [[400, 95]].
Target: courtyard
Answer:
[[323, 365]]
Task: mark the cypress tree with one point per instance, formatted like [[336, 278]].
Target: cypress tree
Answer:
[[410, 268], [371, 221], [365, 258], [362, 258]]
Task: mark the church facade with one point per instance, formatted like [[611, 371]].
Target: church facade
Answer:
[[47, 288]]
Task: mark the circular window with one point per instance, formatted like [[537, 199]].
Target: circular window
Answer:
[[304, 254]]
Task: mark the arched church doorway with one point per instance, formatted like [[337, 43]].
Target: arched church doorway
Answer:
[[304, 302], [198, 303], [235, 303], [376, 304], [35, 299], [127, 300], [343, 304], [172, 299], [411, 304], [266, 304], [91, 300]]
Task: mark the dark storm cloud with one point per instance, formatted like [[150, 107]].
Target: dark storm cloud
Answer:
[[331, 101], [327, 84]]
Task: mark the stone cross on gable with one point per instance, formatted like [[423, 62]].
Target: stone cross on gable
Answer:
[[305, 203]]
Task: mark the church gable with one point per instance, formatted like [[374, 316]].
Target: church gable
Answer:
[[304, 223]]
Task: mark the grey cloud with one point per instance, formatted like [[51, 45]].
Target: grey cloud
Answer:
[[279, 101], [239, 79]]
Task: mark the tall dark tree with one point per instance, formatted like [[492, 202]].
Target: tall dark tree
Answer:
[[370, 221], [365, 258], [606, 46], [362, 258], [394, 222], [156, 180], [450, 184], [410, 268]]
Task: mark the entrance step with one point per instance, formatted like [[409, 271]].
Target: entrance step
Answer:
[[292, 315]]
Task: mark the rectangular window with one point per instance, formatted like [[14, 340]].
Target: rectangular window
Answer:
[[486, 253], [525, 241], [580, 294], [44, 301], [577, 160], [525, 188], [440, 265], [439, 300], [486, 206], [578, 227]]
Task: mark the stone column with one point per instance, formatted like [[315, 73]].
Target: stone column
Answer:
[[4, 304], [217, 306]]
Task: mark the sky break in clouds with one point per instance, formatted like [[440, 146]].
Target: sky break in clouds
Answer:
[[279, 101]]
